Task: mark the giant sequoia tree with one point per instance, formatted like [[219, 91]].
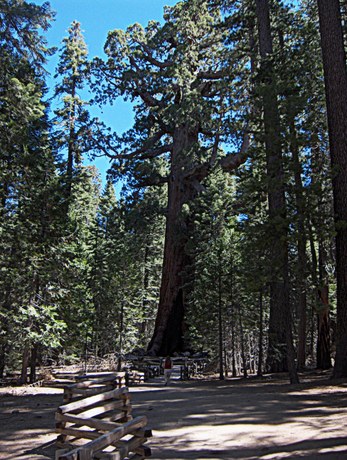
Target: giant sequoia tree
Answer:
[[181, 79]]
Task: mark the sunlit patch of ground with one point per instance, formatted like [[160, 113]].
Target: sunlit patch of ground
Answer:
[[233, 419]]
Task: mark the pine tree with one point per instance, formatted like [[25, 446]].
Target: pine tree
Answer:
[[280, 353], [211, 247], [74, 259], [27, 179], [72, 117], [20, 26], [335, 74]]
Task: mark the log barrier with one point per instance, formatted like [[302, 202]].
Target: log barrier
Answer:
[[99, 425]]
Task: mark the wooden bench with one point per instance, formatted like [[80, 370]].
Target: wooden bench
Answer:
[[93, 427]]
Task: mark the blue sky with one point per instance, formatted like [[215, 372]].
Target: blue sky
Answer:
[[97, 17]]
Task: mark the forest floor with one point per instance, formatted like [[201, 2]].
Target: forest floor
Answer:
[[245, 419]]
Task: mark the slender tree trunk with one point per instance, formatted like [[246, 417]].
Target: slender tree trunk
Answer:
[[321, 311], [323, 358], [301, 245], [33, 363], [280, 351], [261, 334], [233, 347], [335, 76], [232, 318], [3, 353], [71, 146], [323, 341], [121, 332], [25, 364], [220, 320], [242, 341], [169, 325], [145, 281]]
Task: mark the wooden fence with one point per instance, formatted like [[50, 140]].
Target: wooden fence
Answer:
[[88, 385], [94, 427]]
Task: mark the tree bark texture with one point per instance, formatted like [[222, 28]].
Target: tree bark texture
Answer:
[[242, 344], [3, 353], [335, 76], [169, 326], [323, 340], [220, 321], [301, 247], [320, 277], [33, 363], [261, 333], [280, 354], [25, 364], [322, 307]]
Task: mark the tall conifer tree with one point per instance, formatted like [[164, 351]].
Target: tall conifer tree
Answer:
[[335, 74], [180, 74], [72, 117]]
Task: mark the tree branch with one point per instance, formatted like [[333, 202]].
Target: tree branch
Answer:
[[232, 162], [148, 56], [144, 95], [199, 172], [153, 181], [213, 75]]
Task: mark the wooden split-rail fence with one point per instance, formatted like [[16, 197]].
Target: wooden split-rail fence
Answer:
[[100, 425]]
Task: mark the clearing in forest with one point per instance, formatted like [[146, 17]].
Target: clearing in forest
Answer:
[[233, 419]]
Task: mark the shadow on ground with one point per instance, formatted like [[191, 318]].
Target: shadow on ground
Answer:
[[246, 419], [233, 419]]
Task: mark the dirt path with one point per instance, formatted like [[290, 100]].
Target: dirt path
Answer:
[[203, 420]]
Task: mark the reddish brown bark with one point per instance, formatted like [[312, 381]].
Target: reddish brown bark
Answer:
[[335, 76], [169, 325]]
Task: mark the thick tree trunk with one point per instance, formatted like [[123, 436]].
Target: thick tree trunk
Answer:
[[169, 326], [335, 75], [280, 350]]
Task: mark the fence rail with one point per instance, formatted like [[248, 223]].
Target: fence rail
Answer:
[[93, 422]]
